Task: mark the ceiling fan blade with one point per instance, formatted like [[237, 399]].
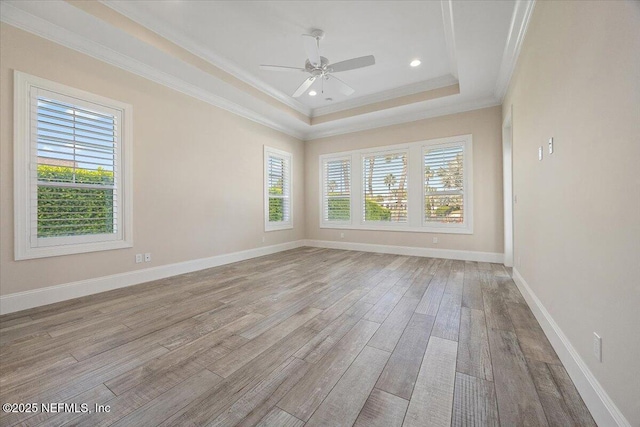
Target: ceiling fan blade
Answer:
[[280, 68], [312, 48], [352, 64], [344, 88], [304, 86]]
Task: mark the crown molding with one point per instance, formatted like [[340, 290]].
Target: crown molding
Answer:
[[404, 118], [519, 22], [449, 35], [13, 14], [386, 95], [25, 21], [208, 55]]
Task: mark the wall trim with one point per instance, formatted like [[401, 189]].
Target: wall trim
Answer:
[[386, 95], [409, 251], [378, 119], [449, 35], [23, 20], [205, 53], [602, 408], [519, 22], [52, 294], [14, 15]]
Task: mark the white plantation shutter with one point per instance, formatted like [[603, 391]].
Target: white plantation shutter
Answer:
[[72, 168], [277, 189], [444, 184], [384, 185], [336, 190], [75, 173]]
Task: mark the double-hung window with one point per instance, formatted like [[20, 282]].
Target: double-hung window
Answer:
[[336, 190], [277, 189], [72, 170], [444, 184], [384, 190]]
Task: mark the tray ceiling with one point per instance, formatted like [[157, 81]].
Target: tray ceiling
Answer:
[[212, 50]]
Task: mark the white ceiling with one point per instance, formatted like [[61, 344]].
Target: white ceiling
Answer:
[[246, 34], [474, 43]]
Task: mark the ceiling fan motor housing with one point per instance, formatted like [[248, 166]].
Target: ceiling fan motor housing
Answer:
[[316, 71]]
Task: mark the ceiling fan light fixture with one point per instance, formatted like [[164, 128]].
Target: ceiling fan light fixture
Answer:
[[320, 68], [415, 63]]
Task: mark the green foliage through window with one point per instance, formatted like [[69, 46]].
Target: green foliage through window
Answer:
[[72, 211], [374, 212], [276, 209], [338, 209]]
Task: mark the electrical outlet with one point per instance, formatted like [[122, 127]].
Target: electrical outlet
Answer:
[[147, 257], [138, 258], [342, 235], [435, 240], [597, 347]]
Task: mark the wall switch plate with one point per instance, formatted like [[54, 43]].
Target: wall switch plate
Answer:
[[597, 347], [138, 258], [540, 153], [435, 240], [550, 145], [147, 257], [342, 235], [263, 239]]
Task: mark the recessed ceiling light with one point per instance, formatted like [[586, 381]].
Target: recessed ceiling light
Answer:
[[313, 93], [415, 63]]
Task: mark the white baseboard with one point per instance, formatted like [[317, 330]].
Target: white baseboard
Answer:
[[602, 408], [52, 294], [410, 251]]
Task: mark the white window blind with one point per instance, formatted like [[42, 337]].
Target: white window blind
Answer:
[[72, 187], [444, 184], [336, 190], [278, 189], [384, 185], [77, 168]]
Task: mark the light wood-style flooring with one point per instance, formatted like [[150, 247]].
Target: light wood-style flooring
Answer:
[[306, 337]]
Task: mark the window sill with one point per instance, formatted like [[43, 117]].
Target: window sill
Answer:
[[399, 228], [278, 227], [52, 251]]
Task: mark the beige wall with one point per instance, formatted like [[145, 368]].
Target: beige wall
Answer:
[[484, 125], [198, 170], [577, 220]]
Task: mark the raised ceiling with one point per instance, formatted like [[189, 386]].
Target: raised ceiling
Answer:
[[246, 34], [212, 50]]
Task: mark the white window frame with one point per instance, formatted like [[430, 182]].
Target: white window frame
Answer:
[[287, 157], [323, 196], [28, 246], [384, 225], [466, 227], [415, 188]]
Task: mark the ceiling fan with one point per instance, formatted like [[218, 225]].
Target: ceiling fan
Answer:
[[319, 66]]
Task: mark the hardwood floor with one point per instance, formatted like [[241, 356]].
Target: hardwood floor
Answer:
[[306, 337]]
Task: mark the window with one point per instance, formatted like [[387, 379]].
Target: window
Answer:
[[336, 190], [385, 189], [382, 188], [72, 174], [444, 184], [277, 181]]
